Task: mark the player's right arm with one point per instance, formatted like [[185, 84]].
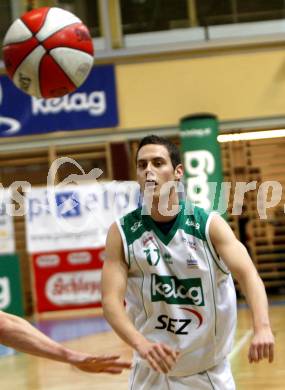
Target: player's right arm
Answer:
[[17, 333], [114, 283]]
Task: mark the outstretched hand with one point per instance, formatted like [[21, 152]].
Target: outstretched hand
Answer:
[[102, 364]]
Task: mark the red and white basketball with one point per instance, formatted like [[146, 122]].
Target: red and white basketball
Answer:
[[48, 52]]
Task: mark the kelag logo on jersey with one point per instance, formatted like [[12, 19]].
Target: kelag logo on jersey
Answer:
[[177, 291]]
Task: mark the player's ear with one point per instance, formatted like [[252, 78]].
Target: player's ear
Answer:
[[178, 172]]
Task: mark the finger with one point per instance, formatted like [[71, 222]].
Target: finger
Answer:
[[154, 364], [170, 352], [112, 371], [166, 359], [271, 353], [159, 360], [260, 351], [121, 364], [112, 364], [253, 355], [106, 358], [266, 351], [249, 356]]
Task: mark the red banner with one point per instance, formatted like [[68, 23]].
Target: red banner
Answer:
[[67, 279]]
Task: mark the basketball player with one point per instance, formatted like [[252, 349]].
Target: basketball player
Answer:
[[172, 263], [17, 333]]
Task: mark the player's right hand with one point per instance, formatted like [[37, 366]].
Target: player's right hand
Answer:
[[160, 356]]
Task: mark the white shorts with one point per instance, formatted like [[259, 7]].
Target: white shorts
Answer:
[[217, 378]]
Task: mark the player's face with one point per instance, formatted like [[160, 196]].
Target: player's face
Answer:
[[154, 168]]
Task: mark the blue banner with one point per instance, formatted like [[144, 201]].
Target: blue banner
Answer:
[[93, 105]]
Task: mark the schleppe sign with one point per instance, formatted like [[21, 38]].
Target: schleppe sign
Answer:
[[93, 105], [65, 280]]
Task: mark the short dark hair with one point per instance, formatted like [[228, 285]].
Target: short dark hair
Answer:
[[173, 150]]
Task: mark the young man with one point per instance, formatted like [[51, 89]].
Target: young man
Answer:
[[17, 333], [172, 267]]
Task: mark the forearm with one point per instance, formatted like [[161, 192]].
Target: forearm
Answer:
[[262, 343], [237, 259], [115, 314], [17, 333], [254, 292], [241, 265]]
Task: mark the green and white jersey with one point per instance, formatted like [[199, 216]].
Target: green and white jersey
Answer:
[[179, 291]]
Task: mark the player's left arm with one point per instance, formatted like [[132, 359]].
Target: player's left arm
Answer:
[[237, 259]]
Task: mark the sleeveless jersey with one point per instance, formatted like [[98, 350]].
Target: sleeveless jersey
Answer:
[[179, 291]]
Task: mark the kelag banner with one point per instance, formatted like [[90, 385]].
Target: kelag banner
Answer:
[[93, 105], [202, 161], [11, 295]]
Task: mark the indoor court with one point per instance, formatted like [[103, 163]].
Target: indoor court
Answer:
[[209, 76], [92, 334]]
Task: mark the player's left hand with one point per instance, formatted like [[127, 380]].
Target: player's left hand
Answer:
[[102, 364], [262, 345]]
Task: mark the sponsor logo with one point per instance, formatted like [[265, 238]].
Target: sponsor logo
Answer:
[[191, 244], [148, 240], [174, 325], [152, 256], [172, 290], [191, 262], [5, 293], [167, 258], [82, 35], [196, 225], [179, 326], [45, 261], [68, 204], [198, 165], [72, 288], [24, 81], [136, 226], [196, 132], [94, 103], [79, 258]]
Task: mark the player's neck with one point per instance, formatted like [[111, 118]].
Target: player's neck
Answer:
[[164, 210]]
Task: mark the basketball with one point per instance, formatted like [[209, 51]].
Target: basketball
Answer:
[[48, 52]]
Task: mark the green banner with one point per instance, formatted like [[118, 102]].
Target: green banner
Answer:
[[202, 161], [11, 296]]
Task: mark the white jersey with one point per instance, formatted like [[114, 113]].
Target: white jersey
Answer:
[[179, 291]]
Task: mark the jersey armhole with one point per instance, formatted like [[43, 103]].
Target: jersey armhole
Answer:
[[125, 244], [219, 262]]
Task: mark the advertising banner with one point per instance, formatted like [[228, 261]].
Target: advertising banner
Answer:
[[93, 105], [202, 161], [75, 216], [7, 241], [67, 279], [11, 295]]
